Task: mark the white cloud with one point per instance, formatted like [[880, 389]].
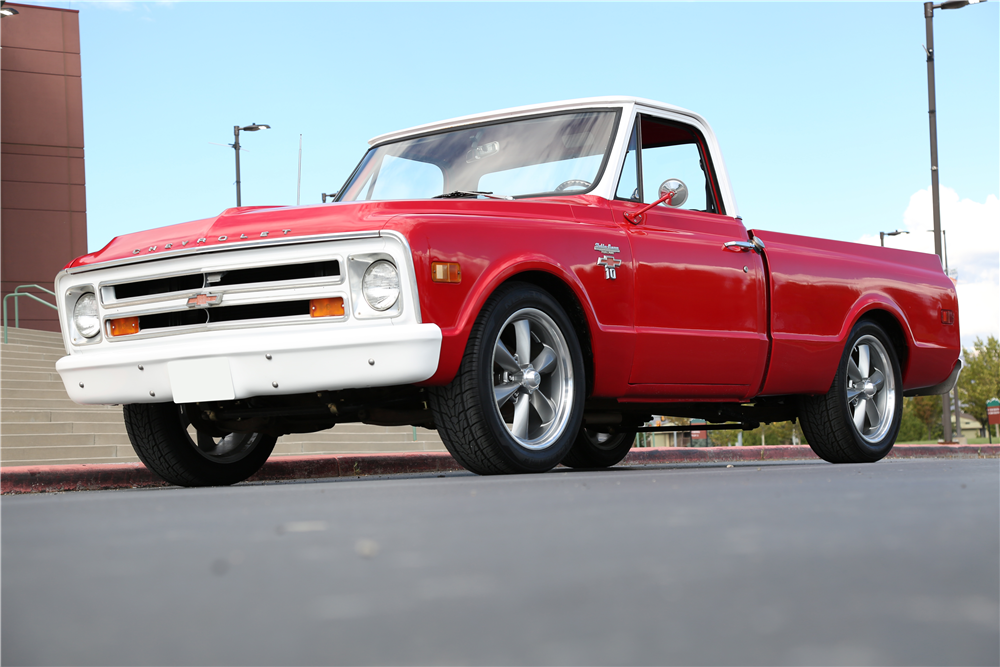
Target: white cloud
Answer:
[[972, 235]]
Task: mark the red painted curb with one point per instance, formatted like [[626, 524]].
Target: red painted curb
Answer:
[[654, 455], [644, 456], [85, 477], [92, 477], [354, 465]]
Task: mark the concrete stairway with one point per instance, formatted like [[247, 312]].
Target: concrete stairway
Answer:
[[40, 425]]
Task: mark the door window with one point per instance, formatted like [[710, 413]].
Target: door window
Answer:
[[667, 150]]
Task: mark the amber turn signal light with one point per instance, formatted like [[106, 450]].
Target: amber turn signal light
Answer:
[[446, 272], [124, 326], [947, 316], [326, 307]]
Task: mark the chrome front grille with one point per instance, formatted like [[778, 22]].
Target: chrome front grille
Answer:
[[229, 291], [196, 316], [207, 280]]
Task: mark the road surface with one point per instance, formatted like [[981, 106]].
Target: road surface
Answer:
[[896, 562]]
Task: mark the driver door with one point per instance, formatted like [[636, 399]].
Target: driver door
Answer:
[[700, 308]]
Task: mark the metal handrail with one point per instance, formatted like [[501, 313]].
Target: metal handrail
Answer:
[[16, 293]]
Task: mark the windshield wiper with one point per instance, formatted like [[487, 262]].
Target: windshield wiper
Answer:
[[459, 194]]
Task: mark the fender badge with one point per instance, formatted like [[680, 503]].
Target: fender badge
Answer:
[[608, 260], [610, 264], [204, 300]]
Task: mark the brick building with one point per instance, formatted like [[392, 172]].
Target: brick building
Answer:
[[43, 211]]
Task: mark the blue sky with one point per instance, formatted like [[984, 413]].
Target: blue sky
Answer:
[[821, 108]]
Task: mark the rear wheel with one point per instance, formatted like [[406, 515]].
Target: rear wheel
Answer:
[[857, 421], [167, 441], [594, 449], [516, 404]]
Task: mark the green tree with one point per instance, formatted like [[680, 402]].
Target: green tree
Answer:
[[928, 410], [778, 433], [722, 438], [980, 379], [912, 428]]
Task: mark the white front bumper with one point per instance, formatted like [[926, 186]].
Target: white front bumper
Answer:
[[258, 362]]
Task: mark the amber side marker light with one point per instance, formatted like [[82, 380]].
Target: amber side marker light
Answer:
[[947, 316], [124, 326], [446, 272], [326, 307]]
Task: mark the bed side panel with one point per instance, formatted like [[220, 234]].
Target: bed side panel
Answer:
[[820, 288]]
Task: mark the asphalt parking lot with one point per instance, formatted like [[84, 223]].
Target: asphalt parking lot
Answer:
[[896, 562]]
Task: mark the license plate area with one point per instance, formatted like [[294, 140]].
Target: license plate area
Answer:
[[197, 380]]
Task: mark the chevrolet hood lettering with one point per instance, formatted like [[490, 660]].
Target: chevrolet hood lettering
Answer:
[[204, 240]]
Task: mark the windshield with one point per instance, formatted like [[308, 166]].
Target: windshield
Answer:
[[556, 154]]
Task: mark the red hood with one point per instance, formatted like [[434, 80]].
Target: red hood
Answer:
[[239, 225], [242, 225]]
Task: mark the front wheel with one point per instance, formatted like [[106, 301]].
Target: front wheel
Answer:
[[857, 421], [166, 440], [516, 404]]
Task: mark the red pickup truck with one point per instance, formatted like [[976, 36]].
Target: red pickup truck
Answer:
[[534, 283]]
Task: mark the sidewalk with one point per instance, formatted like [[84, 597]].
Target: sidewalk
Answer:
[[48, 479]]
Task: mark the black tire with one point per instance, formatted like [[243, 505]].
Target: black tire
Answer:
[[160, 436], [490, 435], [872, 391], [594, 449]]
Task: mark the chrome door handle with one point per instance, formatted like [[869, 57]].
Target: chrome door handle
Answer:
[[741, 246]]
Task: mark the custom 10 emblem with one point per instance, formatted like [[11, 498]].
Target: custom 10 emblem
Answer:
[[608, 260]]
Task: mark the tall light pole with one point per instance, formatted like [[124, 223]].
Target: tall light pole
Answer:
[[236, 146], [929, 8], [944, 250], [882, 235]]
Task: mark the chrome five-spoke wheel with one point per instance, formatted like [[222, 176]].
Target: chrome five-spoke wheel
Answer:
[[516, 403], [871, 389], [532, 378], [858, 419]]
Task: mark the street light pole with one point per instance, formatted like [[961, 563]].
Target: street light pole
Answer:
[[935, 195], [236, 147], [929, 8], [882, 235], [932, 115]]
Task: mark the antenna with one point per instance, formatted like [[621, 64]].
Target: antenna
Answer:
[[298, 186]]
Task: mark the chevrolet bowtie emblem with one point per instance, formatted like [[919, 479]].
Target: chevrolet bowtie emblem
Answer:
[[204, 300], [610, 264]]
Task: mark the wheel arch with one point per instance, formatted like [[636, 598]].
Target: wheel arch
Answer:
[[543, 273], [888, 316], [565, 295]]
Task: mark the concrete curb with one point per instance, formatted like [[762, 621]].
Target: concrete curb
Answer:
[[641, 456], [92, 477]]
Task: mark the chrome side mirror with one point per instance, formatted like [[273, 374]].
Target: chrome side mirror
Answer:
[[679, 190]]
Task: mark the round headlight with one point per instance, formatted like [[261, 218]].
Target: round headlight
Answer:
[[381, 285], [85, 316]]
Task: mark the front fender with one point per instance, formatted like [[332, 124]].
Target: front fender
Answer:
[[493, 250]]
